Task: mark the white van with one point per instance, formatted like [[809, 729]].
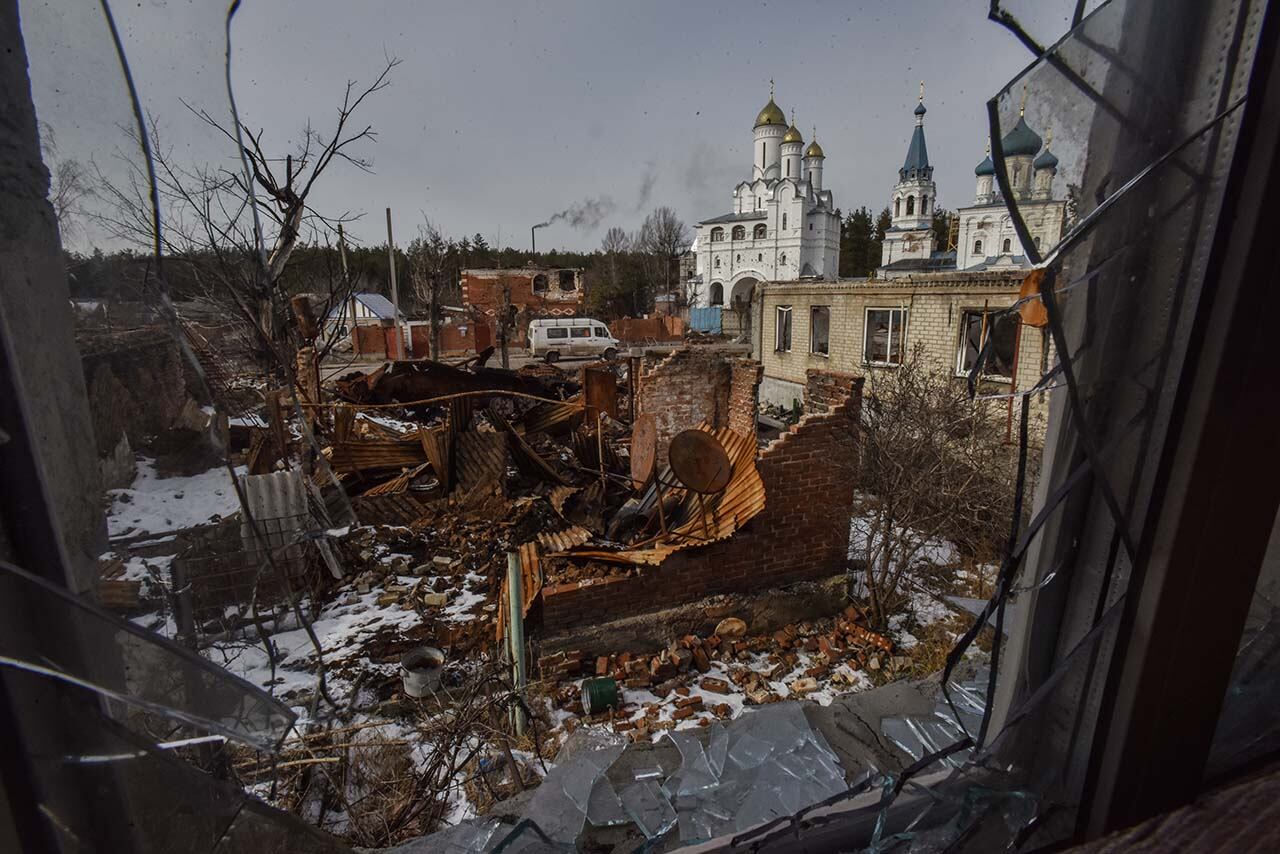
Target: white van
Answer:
[[556, 338]]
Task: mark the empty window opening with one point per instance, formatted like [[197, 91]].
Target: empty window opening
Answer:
[[1008, 245], [911, 205], [784, 222], [884, 336], [759, 231], [977, 247], [976, 328], [567, 280], [717, 292], [782, 330], [717, 234], [820, 330], [739, 232], [540, 282]]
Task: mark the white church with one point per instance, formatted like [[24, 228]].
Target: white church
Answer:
[[986, 237], [783, 226]]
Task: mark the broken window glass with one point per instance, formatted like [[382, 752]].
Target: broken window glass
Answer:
[[820, 329], [979, 329], [883, 338], [782, 329]]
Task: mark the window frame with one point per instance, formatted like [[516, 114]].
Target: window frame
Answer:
[[813, 351], [563, 333], [759, 231], [574, 332], [778, 315], [962, 344], [902, 336]]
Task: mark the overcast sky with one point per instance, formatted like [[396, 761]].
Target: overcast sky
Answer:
[[502, 113]]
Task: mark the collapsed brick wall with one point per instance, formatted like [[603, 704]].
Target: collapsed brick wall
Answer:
[[825, 390], [135, 383], [744, 396], [801, 535], [695, 385]]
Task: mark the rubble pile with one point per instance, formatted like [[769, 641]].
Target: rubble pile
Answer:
[[695, 680]]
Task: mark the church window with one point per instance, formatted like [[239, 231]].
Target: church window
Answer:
[[759, 256], [1008, 245], [717, 263], [717, 292], [977, 247], [788, 167], [738, 257], [762, 155], [1037, 243], [717, 234], [897, 207], [811, 226], [911, 205], [783, 259], [924, 205], [739, 232], [759, 232], [784, 222]]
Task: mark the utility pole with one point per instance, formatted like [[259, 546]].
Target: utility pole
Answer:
[[395, 291]]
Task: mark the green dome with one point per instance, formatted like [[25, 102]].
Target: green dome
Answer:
[[1021, 141]]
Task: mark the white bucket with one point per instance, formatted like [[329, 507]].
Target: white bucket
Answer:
[[420, 669]]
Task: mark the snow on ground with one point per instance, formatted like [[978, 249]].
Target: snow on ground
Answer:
[[153, 504]]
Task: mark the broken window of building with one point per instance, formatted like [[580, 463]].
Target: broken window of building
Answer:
[[979, 327], [540, 282], [717, 291], [568, 280], [883, 340], [819, 329], [782, 329]]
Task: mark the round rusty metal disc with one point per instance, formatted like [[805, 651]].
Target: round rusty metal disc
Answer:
[[699, 461], [644, 448]]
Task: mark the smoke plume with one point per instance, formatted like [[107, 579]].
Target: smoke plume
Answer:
[[584, 215]]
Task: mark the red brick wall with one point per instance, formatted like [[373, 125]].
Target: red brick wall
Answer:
[[657, 328], [801, 535], [826, 389], [482, 290], [744, 396]]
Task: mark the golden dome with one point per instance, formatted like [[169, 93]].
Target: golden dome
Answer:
[[771, 115], [814, 150], [792, 135]]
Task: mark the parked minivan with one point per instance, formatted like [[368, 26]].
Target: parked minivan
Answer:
[[555, 338]]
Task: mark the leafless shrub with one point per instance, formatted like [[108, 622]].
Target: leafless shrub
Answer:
[[933, 470]]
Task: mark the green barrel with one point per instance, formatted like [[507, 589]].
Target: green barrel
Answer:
[[599, 694]]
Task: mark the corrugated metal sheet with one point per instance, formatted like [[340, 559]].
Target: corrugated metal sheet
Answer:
[[741, 500], [527, 459], [481, 459], [373, 454], [401, 509], [397, 484], [278, 504], [559, 495], [560, 541], [553, 417], [531, 587]]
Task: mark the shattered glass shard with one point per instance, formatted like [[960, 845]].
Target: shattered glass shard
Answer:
[[649, 808]]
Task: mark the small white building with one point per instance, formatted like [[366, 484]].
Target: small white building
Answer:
[[782, 225]]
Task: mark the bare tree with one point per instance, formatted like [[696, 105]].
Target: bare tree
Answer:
[[664, 237], [209, 213], [68, 183], [429, 257], [933, 473]]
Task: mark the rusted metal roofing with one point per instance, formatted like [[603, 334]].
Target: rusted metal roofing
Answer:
[[364, 454], [550, 417], [397, 484], [527, 459], [559, 495], [726, 512], [481, 459], [531, 587], [401, 509], [560, 541]]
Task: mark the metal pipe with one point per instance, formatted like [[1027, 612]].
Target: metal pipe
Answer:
[[515, 628]]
